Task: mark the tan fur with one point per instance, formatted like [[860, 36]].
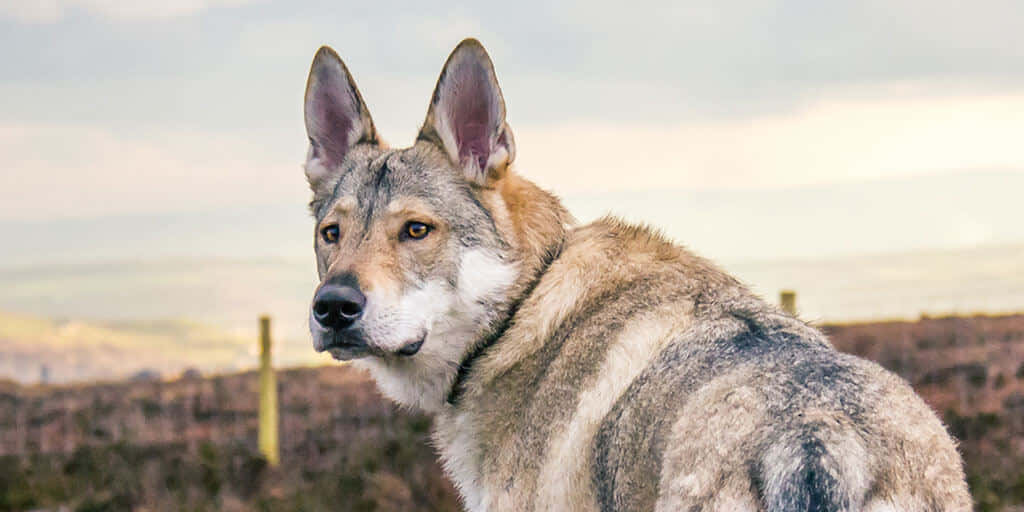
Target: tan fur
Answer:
[[921, 448], [597, 259], [376, 260], [565, 477], [582, 270], [538, 220], [714, 426], [596, 367]]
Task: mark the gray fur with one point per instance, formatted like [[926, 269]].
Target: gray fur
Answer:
[[612, 370]]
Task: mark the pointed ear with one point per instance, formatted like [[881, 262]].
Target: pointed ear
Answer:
[[466, 117], [336, 116]]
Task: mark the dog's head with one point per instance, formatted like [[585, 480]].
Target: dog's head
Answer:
[[420, 249]]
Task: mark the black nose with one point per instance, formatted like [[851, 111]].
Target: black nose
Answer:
[[338, 306]]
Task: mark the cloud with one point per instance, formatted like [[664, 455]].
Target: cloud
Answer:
[[601, 96], [51, 11], [840, 139], [54, 170], [41, 11]]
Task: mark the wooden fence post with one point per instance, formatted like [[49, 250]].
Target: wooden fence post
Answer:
[[787, 299], [268, 398]]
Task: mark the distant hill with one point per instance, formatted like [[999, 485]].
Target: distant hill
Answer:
[[74, 350], [896, 285], [230, 294]]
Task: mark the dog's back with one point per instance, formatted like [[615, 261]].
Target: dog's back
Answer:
[[636, 376]]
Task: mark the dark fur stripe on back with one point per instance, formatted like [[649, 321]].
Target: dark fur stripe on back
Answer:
[[553, 377], [631, 440]]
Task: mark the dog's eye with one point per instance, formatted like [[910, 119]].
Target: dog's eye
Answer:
[[416, 230], [330, 233]]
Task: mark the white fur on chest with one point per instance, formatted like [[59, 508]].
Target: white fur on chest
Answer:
[[456, 437], [457, 319], [422, 381]]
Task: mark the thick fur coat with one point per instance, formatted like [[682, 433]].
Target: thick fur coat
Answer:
[[595, 367]]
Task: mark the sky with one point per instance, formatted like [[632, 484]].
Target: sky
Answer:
[[156, 109]]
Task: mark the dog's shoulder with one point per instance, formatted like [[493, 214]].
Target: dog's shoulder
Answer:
[[609, 276]]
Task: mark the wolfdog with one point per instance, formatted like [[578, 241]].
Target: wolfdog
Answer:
[[583, 367]]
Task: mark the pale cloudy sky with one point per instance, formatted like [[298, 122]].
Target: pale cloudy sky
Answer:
[[122, 108]]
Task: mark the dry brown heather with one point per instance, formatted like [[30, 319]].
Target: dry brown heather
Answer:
[[190, 444]]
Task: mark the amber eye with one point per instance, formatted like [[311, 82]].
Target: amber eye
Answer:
[[416, 230], [330, 233]]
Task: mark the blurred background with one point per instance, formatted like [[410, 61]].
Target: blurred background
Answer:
[[865, 155]]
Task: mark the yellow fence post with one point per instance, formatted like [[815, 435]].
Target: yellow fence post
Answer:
[[268, 398], [787, 299]]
